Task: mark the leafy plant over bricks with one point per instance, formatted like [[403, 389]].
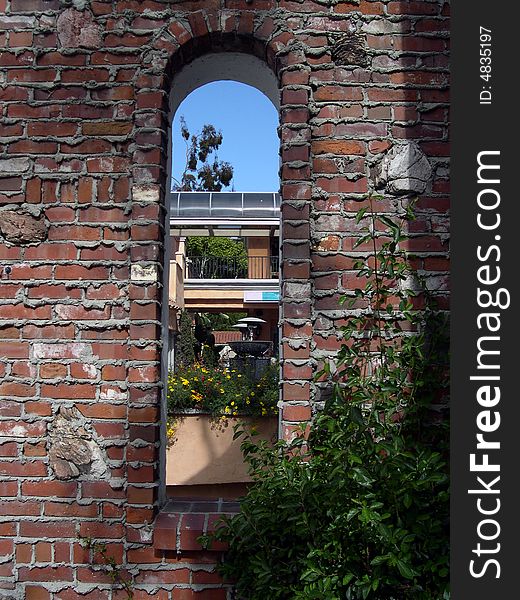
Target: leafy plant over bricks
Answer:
[[359, 510], [113, 570]]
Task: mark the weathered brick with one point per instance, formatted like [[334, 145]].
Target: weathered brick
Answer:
[[78, 331]]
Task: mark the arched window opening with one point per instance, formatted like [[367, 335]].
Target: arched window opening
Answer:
[[223, 289]]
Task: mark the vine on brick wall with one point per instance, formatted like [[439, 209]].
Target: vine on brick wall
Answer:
[[112, 569], [365, 514]]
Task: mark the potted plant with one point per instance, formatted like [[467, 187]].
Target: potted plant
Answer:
[[204, 404]]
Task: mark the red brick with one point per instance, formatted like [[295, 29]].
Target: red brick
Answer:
[[71, 594], [343, 185], [148, 374], [144, 474], [69, 391], [36, 592], [8, 333], [43, 552], [8, 529], [19, 311], [87, 147], [21, 429], [335, 93], [99, 530], [419, 78], [39, 448], [108, 291], [53, 291], [51, 128], [33, 147], [342, 147], [10, 408], [205, 594], [62, 509], [10, 184], [100, 489], [8, 488], [28, 469], [137, 495], [24, 553], [50, 573], [80, 272], [102, 411], [431, 25], [74, 232], [108, 164], [12, 388], [61, 332], [60, 489]]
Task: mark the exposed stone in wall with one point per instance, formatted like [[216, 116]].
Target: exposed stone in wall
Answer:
[[78, 30], [73, 451], [405, 169], [350, 49], [20, 227]]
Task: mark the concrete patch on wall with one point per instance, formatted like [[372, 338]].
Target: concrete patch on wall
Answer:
[[146, 193], [73, 450], [350, 49], [78, 30], [20, 227], [140, 273], [405, 169]]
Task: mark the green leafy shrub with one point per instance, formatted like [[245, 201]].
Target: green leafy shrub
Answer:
[[185, 344], [359, 510]]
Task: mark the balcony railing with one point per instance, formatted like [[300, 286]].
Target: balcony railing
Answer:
[[216, 267]]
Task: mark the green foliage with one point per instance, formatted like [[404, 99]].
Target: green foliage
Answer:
[[360, 510], [114, 571], [220, 257], [216, 246], [223, 392], [224, 321], [203, 171], [185, 344]]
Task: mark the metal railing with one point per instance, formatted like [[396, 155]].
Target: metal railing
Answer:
[[216, 267]]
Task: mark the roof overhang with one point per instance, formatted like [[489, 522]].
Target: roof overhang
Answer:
[[225, 227]]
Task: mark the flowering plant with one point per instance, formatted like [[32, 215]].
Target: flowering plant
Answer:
[[222, 392]]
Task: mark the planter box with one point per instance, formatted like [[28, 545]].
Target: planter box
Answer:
[[202, 450]]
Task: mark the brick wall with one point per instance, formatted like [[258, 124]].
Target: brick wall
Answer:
[[83, 106]]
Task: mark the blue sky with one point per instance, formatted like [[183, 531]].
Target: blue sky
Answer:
[[248, 121]]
